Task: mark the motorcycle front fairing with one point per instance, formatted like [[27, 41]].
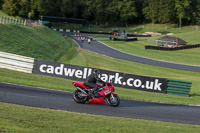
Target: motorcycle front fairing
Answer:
[[101, 100], [97, 100]]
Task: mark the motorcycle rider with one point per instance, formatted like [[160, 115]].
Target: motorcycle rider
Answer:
[[91, 81]]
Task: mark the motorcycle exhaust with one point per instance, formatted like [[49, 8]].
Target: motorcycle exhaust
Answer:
[[81, 89]]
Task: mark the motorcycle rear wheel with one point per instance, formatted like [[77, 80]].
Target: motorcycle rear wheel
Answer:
[[78, 98], [113, 101]]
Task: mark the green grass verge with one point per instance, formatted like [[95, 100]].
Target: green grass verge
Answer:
[[22, 119], [162, 28], [187, 56]]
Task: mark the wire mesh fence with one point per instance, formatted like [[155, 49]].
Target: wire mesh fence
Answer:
[[19, 21]]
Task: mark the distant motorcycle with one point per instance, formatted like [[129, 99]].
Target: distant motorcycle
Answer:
[[89, 41], [84, 94]]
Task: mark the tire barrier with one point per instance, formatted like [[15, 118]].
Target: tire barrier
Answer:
[[123, 39], [172, 49]]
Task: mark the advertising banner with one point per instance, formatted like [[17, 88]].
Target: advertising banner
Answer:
[[118, 79]]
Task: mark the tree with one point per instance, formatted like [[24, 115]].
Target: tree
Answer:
[[1, 3], [195, 12], [127, 10], [71, 8], [54, 8], [113, 13], [25, 7], [182, 8], [151, 10], [110, 12], [101, 14], [140, 16], [89, 10], [165, 14], [38, 8], [11, 7], [165, 11]]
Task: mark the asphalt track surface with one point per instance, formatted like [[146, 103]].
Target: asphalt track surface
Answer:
[[103, 49], [61, 100]]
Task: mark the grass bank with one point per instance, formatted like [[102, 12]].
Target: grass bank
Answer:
[[22, 119], [42, 42]]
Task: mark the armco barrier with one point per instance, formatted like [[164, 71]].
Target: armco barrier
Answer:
[[16, 62], [178, 87]]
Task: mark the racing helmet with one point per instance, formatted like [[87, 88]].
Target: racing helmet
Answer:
[[97, 72]]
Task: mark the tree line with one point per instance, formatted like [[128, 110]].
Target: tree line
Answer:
[[109, 12]]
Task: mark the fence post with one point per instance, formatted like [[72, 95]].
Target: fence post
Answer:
[[22, 22], [13, 21], [7, 20], [3, 20], [25, 22], [40, 23]]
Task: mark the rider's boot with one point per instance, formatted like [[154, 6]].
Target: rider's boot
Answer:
[[97, 95]]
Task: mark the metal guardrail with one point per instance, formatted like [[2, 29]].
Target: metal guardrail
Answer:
[[16, 62], [178, 87]]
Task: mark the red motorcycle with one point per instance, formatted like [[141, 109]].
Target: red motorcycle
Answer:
[[84, 94]]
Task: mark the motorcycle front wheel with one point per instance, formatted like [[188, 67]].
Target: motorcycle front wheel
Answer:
[[113, 100], [78, 97]]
